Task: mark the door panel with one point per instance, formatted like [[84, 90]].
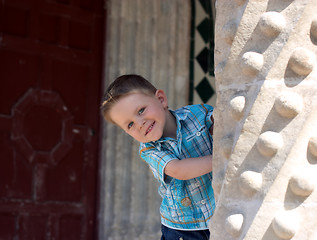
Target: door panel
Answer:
[[50, 73]]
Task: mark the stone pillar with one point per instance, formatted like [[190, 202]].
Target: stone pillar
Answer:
[[265, 158]]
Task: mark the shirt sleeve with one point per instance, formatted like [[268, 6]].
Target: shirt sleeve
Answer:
[[209, 117], [157, 160]]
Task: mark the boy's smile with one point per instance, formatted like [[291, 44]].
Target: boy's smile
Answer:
[[145, 118]]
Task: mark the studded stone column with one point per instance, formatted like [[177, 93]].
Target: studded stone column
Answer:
[[265, 158]]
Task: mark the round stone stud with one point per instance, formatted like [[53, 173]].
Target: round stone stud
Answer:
[[285, 225], [302, 61], [312, 145], [251, 63], [269, 143], [303, 182], [313, 28], [289, 104], [250, 182], [229, 30], [237, 105], [234, 224], [272, 23]]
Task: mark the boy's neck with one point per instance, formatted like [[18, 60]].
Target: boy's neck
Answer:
[[170, 128]]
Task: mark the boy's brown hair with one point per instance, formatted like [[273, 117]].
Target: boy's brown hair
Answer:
[[123, 86]]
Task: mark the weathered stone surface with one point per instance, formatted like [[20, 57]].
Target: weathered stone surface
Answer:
[[229, 30], [313, 145], [313, 28], [265, 144]]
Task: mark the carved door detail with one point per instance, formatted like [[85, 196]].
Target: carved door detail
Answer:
[[50, 61]]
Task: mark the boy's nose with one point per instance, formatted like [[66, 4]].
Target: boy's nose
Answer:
[[141, 123]]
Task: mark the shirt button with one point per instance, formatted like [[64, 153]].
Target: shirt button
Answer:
[[202, 201], [197, 184], [198, 134]]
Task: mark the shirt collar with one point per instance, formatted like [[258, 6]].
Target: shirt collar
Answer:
[[180, 115]]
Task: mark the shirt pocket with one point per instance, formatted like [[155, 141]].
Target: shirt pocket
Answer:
[[183, 198], [198, 133]]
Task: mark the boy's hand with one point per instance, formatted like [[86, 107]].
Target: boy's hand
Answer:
[[189, 168], [211, 129]]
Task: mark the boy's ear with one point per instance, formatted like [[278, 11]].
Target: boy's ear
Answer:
[[161, 96]]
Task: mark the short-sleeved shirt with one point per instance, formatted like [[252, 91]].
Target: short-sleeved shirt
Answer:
[[186, 204]]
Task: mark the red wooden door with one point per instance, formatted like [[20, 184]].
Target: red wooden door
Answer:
[[50, 74]]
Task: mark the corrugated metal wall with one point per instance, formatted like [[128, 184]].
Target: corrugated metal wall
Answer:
[[150, 38]]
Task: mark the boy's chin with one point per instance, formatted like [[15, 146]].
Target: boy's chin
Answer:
[[151, 140]]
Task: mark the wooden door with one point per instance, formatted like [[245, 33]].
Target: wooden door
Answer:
[[50, 73]]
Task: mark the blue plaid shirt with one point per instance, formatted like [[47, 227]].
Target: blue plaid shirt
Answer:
[[186, 204]]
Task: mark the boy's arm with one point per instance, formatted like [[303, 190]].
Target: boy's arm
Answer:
[[189, 168]]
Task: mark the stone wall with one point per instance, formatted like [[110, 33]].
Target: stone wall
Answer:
[[265, 158]]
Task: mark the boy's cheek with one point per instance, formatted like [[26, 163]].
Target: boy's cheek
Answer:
[[135, 137], [211, 129]]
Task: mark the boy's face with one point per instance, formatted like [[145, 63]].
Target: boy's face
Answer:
[[143, 117]]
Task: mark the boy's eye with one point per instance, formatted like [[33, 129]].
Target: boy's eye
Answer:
[[130, 125], [141, 111]]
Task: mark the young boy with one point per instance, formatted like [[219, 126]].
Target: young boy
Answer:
[[177, 146]]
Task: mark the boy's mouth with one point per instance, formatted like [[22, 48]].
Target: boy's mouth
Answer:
[[150, 128]]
